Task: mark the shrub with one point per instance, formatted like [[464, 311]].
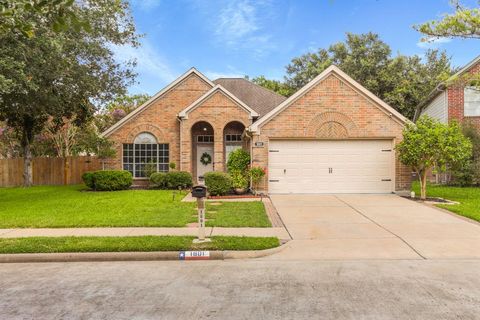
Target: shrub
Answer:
[[178, 179], [218, 183], [87, 178], [150, 168], [172, 165], [238, 160], [108, 180], [172, 180], [468, 173], [256, 174], [239, 180], [159, 180]]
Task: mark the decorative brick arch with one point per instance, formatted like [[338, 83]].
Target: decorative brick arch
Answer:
[[145, 127], [331, 124]]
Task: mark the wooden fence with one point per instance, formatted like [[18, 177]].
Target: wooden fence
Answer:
[[48, 171]]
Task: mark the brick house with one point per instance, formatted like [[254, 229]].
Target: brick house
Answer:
[[332, 135], [457, 101]]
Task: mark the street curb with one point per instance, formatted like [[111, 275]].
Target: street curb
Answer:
[[131, 256]]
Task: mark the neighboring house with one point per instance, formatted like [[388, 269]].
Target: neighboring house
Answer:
[[332, 136], [456, 101]]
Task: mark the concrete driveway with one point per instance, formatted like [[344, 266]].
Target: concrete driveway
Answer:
[[372, 227]]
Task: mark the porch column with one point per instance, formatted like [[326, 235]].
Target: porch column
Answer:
[[218, 147]]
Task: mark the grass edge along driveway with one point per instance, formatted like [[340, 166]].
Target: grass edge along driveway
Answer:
[[75, 207], [131, 244], [468, 198]]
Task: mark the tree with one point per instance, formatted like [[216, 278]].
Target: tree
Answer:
[[428, 144], [274, 85], [402, 81], [61, 74], [463, 23], [59, 13], [115, 110]]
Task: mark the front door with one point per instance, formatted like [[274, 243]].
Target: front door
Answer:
[[205, 165]]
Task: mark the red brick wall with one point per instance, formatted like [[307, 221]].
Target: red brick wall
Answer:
[[332, 101], [160, 118], [456, 101], [218, 110]]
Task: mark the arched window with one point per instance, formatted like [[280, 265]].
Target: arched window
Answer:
[[145, 156]]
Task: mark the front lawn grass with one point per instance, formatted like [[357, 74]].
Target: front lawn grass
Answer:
[[129, 244], [74, 206], [246, 213], [468, 197]]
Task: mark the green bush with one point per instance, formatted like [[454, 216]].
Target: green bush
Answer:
[[178, 179], [171, 180], [159, 180], [87, 178], [108, 180], [239, 180], [238, 160], [218, 183]]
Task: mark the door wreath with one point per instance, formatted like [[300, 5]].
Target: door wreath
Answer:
[[206, 159]]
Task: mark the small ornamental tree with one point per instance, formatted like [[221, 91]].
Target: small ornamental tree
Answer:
[[428, 144]]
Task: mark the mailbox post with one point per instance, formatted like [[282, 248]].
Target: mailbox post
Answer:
[[200, 192]]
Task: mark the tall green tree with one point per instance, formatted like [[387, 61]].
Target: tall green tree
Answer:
[[463, 23], [274, 85], [14, 15], [61, 74], [402, 81]]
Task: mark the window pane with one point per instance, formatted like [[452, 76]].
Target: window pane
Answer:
[[471, 101]]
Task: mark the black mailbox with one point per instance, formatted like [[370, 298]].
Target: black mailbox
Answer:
[[199, 192]]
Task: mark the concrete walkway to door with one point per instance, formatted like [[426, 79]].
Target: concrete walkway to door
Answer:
[[372, 227]]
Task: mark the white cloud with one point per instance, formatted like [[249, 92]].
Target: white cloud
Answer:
[[150, 63], [433, 43], [241, 24], [231, 72]]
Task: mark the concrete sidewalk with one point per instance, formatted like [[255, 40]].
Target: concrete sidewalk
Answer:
[[281, 233]]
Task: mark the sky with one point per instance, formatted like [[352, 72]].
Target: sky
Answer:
[[234, 38]]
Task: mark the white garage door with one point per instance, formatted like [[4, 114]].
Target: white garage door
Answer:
[[340, 166]]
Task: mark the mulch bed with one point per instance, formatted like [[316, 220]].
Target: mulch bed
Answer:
[[235, 196], [432, 199]]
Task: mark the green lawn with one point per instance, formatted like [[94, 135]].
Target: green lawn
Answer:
[[469, 198], [251, 213], [73, 206], [124, 244]]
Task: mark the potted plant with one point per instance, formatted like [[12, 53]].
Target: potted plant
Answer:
[[256, 174], [239, 182]]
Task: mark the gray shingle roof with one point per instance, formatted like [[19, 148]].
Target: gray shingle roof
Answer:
[[256, 97]]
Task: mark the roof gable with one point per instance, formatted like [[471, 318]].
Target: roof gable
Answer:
[[442, 86], [217, 88], [158, 95], [255, 127]]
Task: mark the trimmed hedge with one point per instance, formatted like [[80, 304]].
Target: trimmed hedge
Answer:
[[172, 180], [218, 183], [108, 180]]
